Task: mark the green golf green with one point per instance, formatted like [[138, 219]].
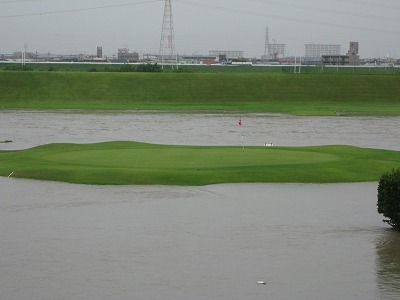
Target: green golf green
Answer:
[[117, 163], [188, 158]]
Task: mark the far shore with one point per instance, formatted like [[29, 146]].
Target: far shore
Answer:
[[297, 94]]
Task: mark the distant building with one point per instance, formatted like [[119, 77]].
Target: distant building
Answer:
[[354, 58], [125, 56], [335, 60], [351, 59], [276, 51], [228, 53], [20, 54], [313, 52], [99, 52], [316, 50], [198, 59]]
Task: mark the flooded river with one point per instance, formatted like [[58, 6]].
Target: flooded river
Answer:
[[27, 129], [306, 241]]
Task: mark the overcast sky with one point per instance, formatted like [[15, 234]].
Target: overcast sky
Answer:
[[79, 26]]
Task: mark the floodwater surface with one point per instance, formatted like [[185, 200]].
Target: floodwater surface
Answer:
[[306, 241], [62, 241], [28, 129]]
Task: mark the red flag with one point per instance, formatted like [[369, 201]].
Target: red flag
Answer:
[[240, 121]]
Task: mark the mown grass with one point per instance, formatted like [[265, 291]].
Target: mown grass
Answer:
[[118, 163], [301, 94]]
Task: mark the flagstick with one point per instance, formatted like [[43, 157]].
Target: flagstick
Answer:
[[242, 137], [241, 128]]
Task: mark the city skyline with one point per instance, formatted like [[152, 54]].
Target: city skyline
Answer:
[[80, 26]]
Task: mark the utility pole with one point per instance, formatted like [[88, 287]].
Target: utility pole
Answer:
[[23, 54], [167, 44], [266, 49]]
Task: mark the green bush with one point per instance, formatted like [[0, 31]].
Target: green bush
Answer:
[[15, 67], [389, 198], [149, 68], [127, 68]]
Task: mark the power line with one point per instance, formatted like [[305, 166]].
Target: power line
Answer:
[[366, 3], [291, 19], [18, 1], [331, 11], [76, 10]]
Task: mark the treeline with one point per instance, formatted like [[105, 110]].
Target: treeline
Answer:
[[155, 68], [150, 68]]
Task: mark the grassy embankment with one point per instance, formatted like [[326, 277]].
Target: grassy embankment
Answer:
[[107, 67], [138, 163], [302, 94]]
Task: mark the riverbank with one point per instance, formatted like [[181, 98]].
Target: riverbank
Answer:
[[118, 163], [183, 68], [299, 94]]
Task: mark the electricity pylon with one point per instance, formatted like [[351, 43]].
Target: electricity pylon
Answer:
[[167, 44]]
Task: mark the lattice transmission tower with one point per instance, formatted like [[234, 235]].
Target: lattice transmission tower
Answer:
[[167, 44]]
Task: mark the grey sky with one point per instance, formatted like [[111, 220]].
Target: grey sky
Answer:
[[200, 25]]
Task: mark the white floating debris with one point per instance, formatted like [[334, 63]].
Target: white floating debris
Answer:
[[261, 282]]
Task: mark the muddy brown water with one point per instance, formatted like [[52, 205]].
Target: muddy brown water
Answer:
[[307, 241]]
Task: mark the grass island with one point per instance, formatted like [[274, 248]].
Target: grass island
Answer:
[[123, 163]]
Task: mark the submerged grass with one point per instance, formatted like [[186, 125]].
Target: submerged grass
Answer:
[[118, 163]]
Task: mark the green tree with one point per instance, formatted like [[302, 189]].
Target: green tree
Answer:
[[389, 198]]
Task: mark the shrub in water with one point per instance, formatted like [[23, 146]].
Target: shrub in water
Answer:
[[389, 198]]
